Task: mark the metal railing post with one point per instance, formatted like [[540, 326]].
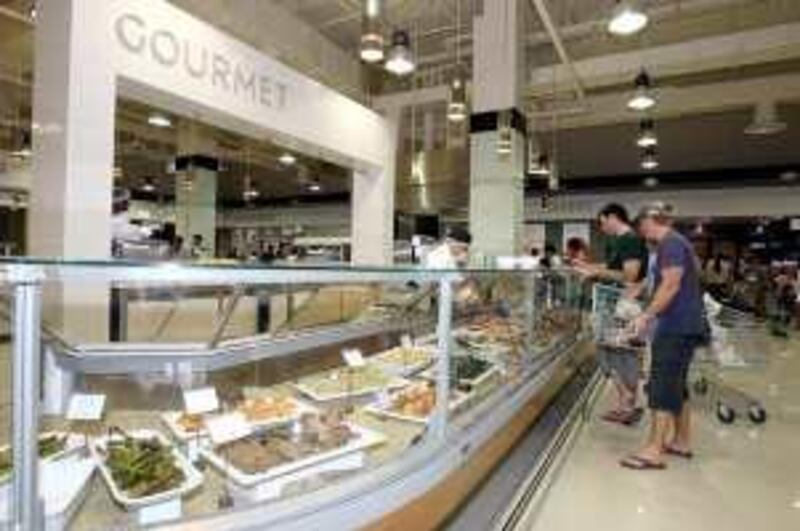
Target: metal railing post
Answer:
[[27, 508], [444, 326]]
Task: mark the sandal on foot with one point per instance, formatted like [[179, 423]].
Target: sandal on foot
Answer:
[[631, 418], [685, 454], [635, 462]]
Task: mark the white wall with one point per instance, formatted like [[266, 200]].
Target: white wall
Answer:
[[734, 202]]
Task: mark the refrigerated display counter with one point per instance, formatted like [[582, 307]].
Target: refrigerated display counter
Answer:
[[379, 401]]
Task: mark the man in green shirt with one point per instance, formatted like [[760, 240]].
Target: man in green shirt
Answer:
[[626, 260]]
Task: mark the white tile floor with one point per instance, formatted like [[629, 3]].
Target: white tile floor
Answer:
[[743, 477]]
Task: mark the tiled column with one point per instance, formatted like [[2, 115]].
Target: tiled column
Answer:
[[196, 187], [73, 126], [497, 180]]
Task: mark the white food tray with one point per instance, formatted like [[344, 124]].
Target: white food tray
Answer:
[[63, 486], [170, 419], [398, 368], [366, 439], [74, 443], [383, 409], [192, 478], [394, 383], [476, 383]]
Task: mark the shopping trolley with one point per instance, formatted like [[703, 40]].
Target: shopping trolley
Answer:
[[611, 318], [738, 341]]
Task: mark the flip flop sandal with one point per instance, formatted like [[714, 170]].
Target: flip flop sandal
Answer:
[[678, 453], [614, 416], [632, 417], [634, 462]]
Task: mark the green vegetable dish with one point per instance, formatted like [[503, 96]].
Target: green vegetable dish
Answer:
[[469, 367], [142, 467], [49, 446]]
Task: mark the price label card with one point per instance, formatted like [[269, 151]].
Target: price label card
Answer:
[[160, 512], [86, 407], [199, 401], [406, 341], [229, 427], [353, 358]]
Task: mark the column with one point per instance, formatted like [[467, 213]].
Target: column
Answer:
[[73, 137], [196, 186], [497, 180], [372, 206]]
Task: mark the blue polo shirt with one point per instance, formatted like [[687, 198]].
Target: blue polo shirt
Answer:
[[684, 315]]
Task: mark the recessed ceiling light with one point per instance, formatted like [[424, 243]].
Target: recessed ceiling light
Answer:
[[159, 120], [627, 19], [287, 159]]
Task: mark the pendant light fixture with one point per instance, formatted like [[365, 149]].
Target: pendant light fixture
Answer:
[[647, 134], [401, 58], [457, 102], [287, 159], [643, 99], [649, 159], [765, 120], [627, 19], [148, 186], [372, 43]]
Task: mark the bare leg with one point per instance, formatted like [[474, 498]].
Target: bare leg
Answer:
[[682, 440], [663, 423]]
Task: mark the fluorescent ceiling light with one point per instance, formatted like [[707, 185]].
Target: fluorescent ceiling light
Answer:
[[627, 19], [159, 120], [287, 159], [401, 59]]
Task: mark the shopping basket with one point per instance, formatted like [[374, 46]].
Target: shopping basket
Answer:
[[738, 341], [611, 317]]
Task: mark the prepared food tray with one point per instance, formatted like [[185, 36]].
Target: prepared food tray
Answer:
[[415, 403], [348, 382], [405, 361], [142, 468], [280, 452], [468, 372], [52, 446], [264, 411]]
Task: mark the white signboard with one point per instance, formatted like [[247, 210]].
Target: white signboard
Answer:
[[353, 358], [199, 401], [162, 51], [226, 428], [86, 407]]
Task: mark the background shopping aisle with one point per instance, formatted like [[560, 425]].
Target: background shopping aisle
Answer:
[[743, 477]]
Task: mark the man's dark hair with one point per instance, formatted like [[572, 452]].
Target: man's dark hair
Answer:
[[459, 234], [616, 210]]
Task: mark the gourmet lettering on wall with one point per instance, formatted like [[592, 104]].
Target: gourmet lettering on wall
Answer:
[[228, 75]]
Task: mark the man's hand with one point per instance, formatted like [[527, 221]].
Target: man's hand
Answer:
[[587, 270], [640, 325]]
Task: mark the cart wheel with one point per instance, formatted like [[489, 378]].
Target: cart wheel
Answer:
[[725, 414], [757, 414], [701, 386]]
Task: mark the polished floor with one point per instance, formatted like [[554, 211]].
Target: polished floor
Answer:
[[743, 477]]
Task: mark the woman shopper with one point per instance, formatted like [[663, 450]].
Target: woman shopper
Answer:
[[677, 310]]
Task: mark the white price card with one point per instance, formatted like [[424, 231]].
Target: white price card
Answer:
[[353, 357], [86, 407], [199, 401], [406, 341], [160, 512], [229, 427]]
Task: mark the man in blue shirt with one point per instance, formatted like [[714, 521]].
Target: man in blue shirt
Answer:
[[676, 310]]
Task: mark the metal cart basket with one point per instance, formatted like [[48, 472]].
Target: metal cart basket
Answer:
[[739, 341]]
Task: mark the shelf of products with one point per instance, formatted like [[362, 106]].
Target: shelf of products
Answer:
[[308, 415]]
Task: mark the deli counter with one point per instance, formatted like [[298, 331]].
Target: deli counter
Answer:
[[234, 397]]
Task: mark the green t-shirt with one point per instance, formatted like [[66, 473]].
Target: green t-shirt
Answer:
[[628, 246]]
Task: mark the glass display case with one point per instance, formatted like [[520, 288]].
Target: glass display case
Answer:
[[197, 396]]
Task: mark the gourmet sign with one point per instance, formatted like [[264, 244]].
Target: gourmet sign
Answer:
[[230, 75]]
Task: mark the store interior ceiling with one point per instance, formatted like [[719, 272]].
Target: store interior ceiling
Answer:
[[713, 63]]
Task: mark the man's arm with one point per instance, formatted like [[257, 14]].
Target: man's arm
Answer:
[[628, 275], [667, 289]]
